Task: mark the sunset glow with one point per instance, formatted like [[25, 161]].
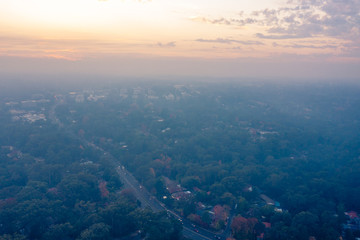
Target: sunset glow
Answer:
[[78, 30]]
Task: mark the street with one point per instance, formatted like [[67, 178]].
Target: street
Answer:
[[141, 194]]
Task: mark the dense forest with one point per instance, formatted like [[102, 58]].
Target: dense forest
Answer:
[[52, 187], [272, 161]]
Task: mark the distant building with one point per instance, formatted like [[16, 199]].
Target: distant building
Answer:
[[177, 192], [185, 195], [248, 188], [268, 200], [80, 98], [172, 186], [267, 224]]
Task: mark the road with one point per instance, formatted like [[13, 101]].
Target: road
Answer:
[[147, 200]]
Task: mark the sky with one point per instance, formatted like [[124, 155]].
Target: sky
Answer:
[[289, 39]]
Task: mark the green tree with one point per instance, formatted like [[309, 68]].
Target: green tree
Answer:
[[62, 231], [304, 225], [97, 231], [118, 216]]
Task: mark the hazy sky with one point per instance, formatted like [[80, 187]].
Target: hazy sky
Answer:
[[236, 38]]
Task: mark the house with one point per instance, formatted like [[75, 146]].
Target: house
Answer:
[[353, 221], [15, 155], [172, 186], [9, 148], [267, 224], [184, 195], [268, 200], [248, 188], [279, 210], [352, 214]]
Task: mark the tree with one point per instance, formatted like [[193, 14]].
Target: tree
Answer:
[[304, 225], [118, 216], [163, 228], [190, 182], [97, 231], [279, 231], [242, 205], [59, 232], [79, 187], [228, 199], [243, 228], [14, 236], [232, 184], [206, 218]]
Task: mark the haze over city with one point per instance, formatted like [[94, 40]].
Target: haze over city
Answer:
[[179, 119]]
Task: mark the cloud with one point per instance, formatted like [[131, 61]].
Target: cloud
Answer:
[[280, 36], [226, 21], [220, 21], [229, 41], [333, 18], [301, 19], [166, 45], [301, 46], [336, 21]]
